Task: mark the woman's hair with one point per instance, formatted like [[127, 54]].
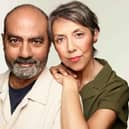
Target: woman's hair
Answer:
[[77, 12]]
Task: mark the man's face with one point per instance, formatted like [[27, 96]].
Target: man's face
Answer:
[[26, 44]]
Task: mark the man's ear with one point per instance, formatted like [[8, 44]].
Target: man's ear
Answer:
[[95, 36], [2, 35], [3, 39]]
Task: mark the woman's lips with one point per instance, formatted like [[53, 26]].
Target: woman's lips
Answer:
[[75, 59]]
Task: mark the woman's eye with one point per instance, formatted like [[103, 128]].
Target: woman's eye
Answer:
[[59, 40], [79, 35]]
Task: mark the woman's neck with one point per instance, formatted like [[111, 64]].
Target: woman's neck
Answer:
[[89, 73]]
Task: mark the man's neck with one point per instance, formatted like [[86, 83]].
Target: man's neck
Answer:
[[18, 83]]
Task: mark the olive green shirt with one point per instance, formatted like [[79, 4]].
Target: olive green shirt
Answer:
[[107, 91]]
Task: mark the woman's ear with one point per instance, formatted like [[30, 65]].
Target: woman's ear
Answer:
[[95, 36]]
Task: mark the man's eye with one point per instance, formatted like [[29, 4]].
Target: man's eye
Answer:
[[14, 41], [37, 42]]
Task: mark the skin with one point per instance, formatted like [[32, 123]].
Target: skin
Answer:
[[25, 37], [74, 46], [74, 43]]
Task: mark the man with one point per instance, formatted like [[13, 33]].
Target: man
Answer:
[[29, 96]]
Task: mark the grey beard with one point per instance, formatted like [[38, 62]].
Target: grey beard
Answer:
[[26, 72]]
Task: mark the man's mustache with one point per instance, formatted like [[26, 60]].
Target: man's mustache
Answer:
[[28, 60]]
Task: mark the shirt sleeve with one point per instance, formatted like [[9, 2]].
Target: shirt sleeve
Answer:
[[116, 98]]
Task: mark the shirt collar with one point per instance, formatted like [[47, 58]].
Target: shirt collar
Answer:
[[39, 91], [93, 87], [4, 77], [103, 75]]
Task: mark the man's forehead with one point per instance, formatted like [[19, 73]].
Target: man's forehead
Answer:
[[26, 21], [28, 12], [25, 8]]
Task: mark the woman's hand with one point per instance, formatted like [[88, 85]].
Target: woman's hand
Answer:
[[66, 80], [62, 69]]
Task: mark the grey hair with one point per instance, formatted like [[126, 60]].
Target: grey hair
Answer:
[[77, 12]]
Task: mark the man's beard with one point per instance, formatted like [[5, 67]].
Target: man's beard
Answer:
[[19, 69]]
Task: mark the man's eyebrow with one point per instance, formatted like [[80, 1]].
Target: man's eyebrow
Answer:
[[13, 35], [37, 37]]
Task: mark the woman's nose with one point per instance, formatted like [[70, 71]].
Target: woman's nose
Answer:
[[71, 46]]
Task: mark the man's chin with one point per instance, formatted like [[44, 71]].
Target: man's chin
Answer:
[[25, 73]]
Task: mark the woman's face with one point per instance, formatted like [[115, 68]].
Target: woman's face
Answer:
[[74, 43]]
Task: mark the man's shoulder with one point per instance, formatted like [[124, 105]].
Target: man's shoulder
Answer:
[[4, 75], [47, 76], [48, 80], [46, 85], [4, 79]]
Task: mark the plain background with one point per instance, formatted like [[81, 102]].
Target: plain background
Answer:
[[113, 43]]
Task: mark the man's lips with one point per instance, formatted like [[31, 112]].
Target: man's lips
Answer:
[[25, 64]]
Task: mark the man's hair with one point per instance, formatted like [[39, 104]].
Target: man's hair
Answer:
[[77, 12], [21, 6]]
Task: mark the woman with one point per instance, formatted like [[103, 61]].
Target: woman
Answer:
[[74, 30]]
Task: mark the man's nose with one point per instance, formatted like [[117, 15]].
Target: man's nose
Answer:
[[25, 50]]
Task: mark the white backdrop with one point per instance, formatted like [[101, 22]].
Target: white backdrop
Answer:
[[113, 43]]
